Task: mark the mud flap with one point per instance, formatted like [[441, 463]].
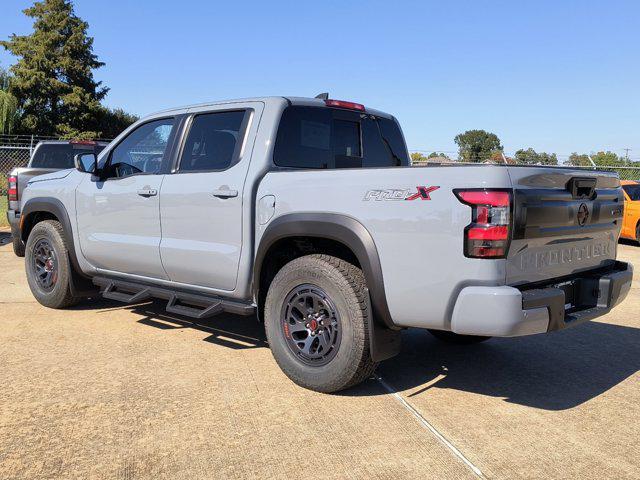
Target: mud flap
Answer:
[[384, 343]]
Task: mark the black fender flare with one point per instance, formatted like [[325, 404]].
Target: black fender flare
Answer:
[[81, 283], [385, 335]]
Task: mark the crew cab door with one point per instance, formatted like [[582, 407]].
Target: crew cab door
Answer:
[[118, 214], [201, 200]]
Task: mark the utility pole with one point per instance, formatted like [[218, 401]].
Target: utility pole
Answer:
[[626, 154]]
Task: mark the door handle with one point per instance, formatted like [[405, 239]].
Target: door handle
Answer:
[[147, 192], [224, 193]]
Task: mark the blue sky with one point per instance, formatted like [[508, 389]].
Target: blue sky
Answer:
[[558, 76]]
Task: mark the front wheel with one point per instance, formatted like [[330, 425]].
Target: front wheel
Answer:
[[316, 320], [48, 268], [457, 338]]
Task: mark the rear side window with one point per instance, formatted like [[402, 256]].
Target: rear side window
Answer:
[[212, 142], [317, 137], [60, 155]]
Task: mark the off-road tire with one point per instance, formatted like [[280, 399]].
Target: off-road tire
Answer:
[[18, 246], [345, 286], [60, 294], [457, 338]]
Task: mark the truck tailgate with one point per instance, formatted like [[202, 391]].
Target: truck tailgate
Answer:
[[565, 221]]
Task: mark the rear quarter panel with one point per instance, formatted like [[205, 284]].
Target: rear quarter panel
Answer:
[[419, 242]]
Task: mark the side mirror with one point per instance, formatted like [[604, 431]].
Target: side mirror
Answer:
[[86, 162]]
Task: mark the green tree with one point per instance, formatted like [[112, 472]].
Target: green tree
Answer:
[[477, 145], [601, 159], [608, 158], [438, 155], [9, 110], [53, 77], [114, 121], [530, 156], [579, 160], [417, 157]]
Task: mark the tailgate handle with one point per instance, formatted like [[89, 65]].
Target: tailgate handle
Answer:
[[582, 187]]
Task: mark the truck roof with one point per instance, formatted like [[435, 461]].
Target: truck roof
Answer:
[[306, 101]]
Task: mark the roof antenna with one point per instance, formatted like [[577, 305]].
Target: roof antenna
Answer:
[[323, 96]]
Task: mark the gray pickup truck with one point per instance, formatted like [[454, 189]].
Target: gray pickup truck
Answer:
[[308, 213], [48, 156]]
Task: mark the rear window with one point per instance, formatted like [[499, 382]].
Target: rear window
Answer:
[[59, 155], [633, 191], [317, 137]]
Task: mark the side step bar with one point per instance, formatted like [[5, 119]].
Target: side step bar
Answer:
[[189, 304]]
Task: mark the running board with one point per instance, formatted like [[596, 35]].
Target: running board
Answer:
[[189, 304]]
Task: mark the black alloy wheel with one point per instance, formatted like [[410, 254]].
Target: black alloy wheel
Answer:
[[45, 265], [311, 325]]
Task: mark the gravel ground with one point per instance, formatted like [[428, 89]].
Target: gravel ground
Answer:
[[111, 391]]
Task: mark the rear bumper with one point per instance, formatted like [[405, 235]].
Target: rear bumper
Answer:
[[509, 312]]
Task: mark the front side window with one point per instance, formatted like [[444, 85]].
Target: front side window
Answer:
[[143, 150], [212, 142]]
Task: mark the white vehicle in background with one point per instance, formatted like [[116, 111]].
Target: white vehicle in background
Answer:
[[308, 213]]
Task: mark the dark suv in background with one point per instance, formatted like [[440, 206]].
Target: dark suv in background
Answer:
[[48, 156]]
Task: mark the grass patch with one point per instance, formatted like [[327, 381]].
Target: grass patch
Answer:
[[3, 211]]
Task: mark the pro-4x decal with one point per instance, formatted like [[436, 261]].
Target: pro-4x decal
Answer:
[[421, 193]]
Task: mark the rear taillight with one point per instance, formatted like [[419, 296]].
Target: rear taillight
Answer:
[[487, 236], [12, 190]]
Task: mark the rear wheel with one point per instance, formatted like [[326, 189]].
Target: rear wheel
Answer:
[[456, 338], [18, 246], [638, 232], [48, 268], [316, 320]]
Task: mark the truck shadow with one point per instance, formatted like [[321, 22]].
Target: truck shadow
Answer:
[[5, 238], [552, 372], [231, 331]]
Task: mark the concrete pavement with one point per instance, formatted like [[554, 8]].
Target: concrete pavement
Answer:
[[105, 390]]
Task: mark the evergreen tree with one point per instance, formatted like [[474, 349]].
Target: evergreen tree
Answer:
[[53, 78]]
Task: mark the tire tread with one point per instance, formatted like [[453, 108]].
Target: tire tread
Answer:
[[63, 298], [360, 367]]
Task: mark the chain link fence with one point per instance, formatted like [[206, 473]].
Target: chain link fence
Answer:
[[625, 172]]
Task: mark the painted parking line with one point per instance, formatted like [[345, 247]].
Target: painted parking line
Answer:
[[426, 424]]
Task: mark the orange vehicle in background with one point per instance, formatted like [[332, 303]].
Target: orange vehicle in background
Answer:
[[631, 219]]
